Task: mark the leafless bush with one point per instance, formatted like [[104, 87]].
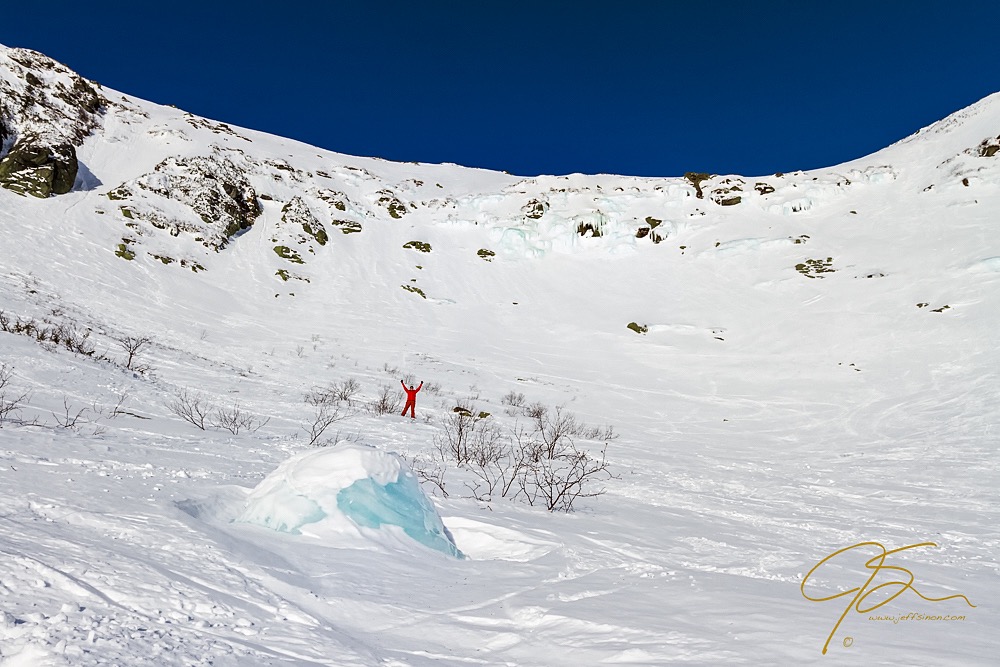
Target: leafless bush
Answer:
[[317, 397], [453, 442], [538, 462], [556, 483], [432, 472], [132, 345], [192, 408], [387, 402], [513, 399], [119, 407], [468, 436], [327, 414], [556, 429], [347, 390], [48, 333], [535, 411], [342, 392], [514, 402], [605, 433], [70, 417], [503, 475], [236, 420], [10, 403], [45, 332]]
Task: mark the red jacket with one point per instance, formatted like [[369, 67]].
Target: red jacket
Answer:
[[411, 394]]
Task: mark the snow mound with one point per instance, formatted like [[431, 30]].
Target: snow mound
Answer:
[[484, 541], [348, 489]]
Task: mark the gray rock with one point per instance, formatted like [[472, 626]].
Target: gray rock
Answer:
[[34, 168]]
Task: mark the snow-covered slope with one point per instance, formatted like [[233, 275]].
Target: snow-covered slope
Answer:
[[811, 364]]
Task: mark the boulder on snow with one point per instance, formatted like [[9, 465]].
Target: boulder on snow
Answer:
[[33, 167]]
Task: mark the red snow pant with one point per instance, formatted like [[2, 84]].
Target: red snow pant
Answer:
[[411, 404]]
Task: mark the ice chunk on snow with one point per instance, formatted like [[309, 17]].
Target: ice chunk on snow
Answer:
[[400, 503], [344, 489]]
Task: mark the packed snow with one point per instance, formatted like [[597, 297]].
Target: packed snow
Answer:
[[811, 367]]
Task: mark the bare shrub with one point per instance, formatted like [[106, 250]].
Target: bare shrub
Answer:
[[327, 414], [605, 433], [535, 411], [344, 392], [132, 345], [513, 399], [538, 462], [432, 472], [555, 431], [468, 436], [341, 392], [119, 407], [502, 475], [514, 402], [319, 397], [388, 401], [236, 420], [70, 417], [48, 333], [556, 483], [192, 408], [10, 403], [347, 390]]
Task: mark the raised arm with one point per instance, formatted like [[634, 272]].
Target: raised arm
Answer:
[[404, 384], [421, 385]]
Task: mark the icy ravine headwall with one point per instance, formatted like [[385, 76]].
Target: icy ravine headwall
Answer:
[[212, 182]]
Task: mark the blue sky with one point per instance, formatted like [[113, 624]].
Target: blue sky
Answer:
[[640, 88]]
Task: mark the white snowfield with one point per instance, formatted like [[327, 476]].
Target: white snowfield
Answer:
[[817, 369]]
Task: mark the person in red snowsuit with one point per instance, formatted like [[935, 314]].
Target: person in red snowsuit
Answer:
[[411, 399]]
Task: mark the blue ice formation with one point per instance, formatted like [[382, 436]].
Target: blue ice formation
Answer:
[[347, 489], [401, 503]]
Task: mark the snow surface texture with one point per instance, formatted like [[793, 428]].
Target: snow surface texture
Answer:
[[818, 369], [345, 488]]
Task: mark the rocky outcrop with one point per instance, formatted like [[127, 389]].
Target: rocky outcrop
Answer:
[[46, 111], [297, 213], [214, 189]]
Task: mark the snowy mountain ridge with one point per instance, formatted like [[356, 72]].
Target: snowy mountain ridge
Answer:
[[793, 362], [526, 216]]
